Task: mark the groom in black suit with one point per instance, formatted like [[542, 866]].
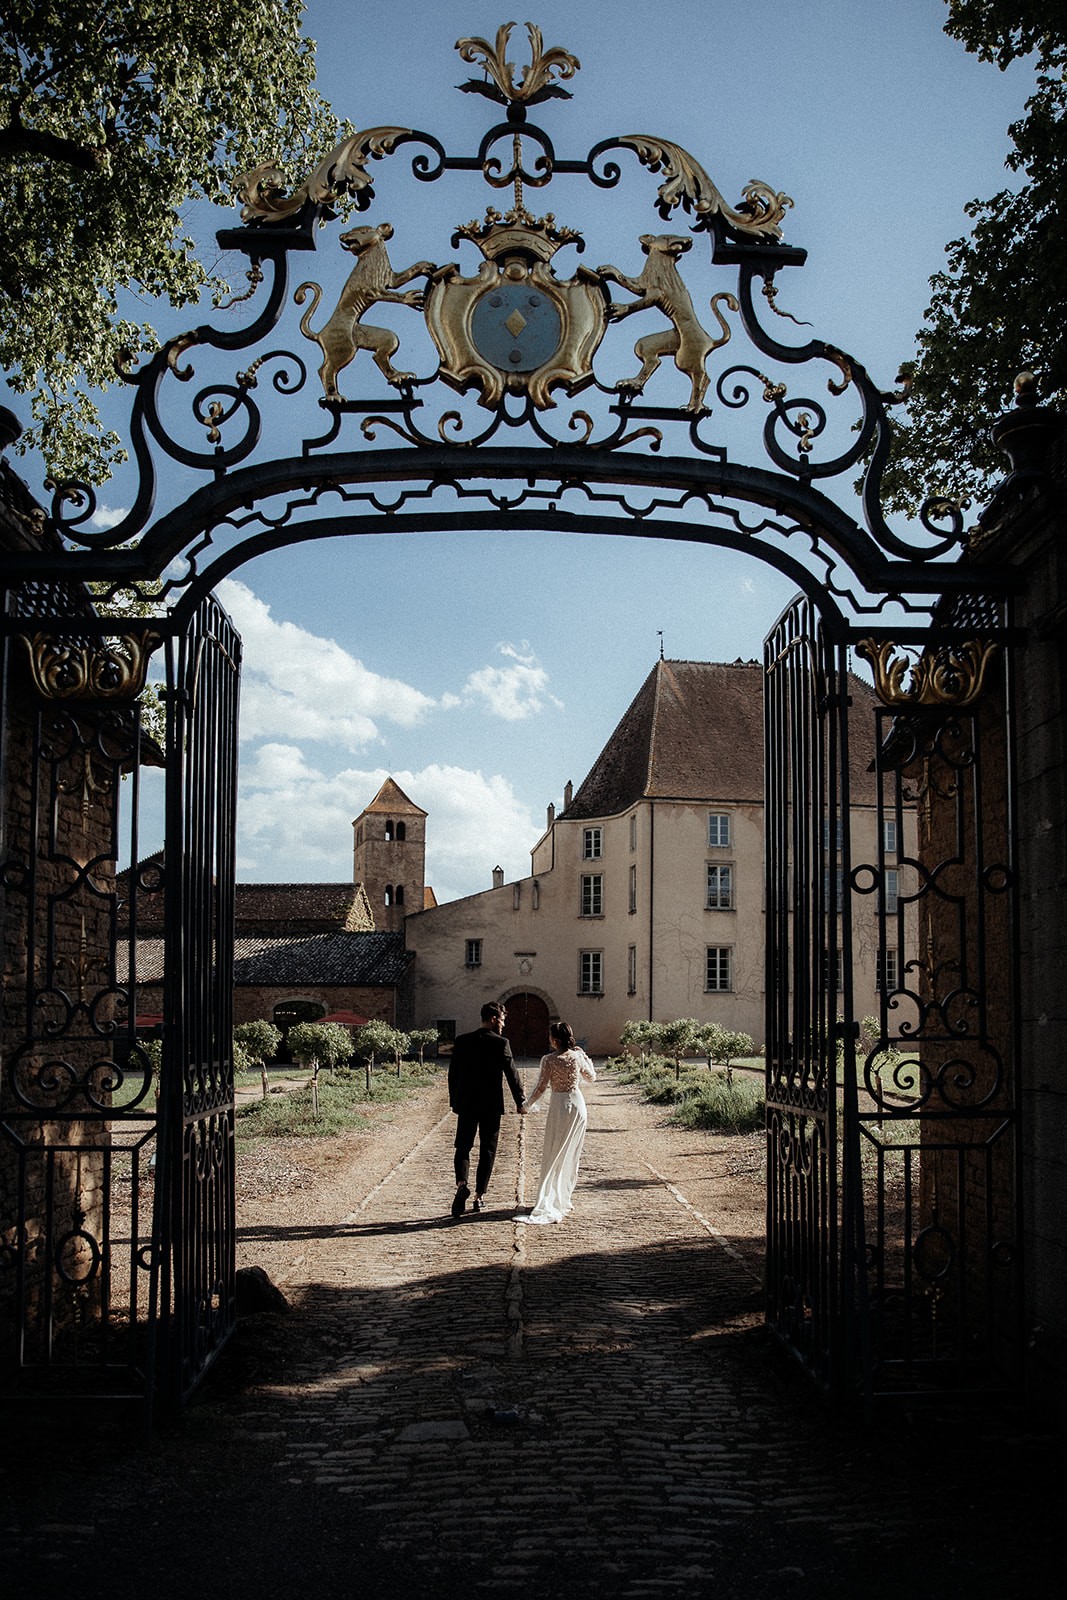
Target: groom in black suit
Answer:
[[480, 1063]]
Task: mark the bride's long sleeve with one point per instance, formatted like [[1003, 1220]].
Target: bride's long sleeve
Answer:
[[543, 1082]]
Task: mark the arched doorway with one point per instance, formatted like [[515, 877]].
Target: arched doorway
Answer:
[[527, 1024], [533, 420]]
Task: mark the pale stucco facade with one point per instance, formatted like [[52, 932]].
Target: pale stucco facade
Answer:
[[651, 910]]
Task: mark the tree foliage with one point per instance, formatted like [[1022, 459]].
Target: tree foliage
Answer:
[[114, 116], [258, 1038], [421, 1039], [1000, 306], [328, 1043]]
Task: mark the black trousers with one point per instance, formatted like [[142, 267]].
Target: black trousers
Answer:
[[487, 1129]]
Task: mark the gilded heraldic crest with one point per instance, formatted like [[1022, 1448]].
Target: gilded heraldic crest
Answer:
[[515, 325]]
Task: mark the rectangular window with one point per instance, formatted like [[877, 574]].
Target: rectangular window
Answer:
[[592, 894], [633, 831], [591, 972], [719, 969], [592, 844], [892, 890], [888, 974], [720, 888], [838, 882], [474, 953], [718, 829], [631, 970], [889, 836], [633, 888], [838, 834], [837, 976]]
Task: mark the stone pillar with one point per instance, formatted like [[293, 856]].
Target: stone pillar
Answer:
[[1025, 528]]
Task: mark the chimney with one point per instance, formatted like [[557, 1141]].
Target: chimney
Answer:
[[498, 877], [568, 795], [551, 814]]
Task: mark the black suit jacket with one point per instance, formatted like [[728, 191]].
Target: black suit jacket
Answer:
[[480, 1063]]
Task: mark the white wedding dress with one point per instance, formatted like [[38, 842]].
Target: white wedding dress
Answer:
[[564, 1132]]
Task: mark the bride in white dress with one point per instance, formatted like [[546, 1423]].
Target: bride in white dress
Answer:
[[562, 1071]]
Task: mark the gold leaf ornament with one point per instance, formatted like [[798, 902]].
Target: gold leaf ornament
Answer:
[[760, 211], [536, 83], [263, 191], [108, 669], [952, 675]]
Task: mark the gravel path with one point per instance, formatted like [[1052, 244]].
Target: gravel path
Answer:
[[589, 1409]]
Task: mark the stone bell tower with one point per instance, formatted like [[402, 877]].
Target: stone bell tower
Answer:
[[389, 856]]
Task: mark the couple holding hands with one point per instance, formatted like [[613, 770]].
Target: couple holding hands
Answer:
[[481, 1063]]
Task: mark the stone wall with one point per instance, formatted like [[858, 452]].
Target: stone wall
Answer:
[[1026, 527]]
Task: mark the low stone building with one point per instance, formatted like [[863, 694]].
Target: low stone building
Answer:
[[301, 952]]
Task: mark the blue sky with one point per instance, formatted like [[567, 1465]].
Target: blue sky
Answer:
[[485, 670]]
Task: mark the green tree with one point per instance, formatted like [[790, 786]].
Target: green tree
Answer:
[[327, 1043], [1000, 307], [640, 1034], [254, 1044], [114, 116], [678, 1039], [421, 1039], [372, 1040], [721, 1046], [259, 1038], [401, 1044]]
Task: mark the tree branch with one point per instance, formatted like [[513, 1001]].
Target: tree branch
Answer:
[[17, 140]]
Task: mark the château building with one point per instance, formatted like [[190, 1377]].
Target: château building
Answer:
[[645, 897]]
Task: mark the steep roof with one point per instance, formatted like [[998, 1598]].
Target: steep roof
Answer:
[[694, 731], [391, 798]]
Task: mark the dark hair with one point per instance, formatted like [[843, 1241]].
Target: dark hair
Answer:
[[563, 1035], [491, 1009]]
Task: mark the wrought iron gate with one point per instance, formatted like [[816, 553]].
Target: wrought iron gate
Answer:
[[806, 773], [892, 1215], [193, 1291], [892, 1154], [77, 1101], [116, 1258]]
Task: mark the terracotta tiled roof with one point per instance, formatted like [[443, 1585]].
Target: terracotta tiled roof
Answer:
[[695, 732], [343, 959]]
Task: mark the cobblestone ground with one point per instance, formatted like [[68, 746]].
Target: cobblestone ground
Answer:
[[480, 1407]]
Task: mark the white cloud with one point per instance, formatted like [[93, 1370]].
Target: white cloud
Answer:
[[296, 682], [295, 822], [108, 516], [514, 692]]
